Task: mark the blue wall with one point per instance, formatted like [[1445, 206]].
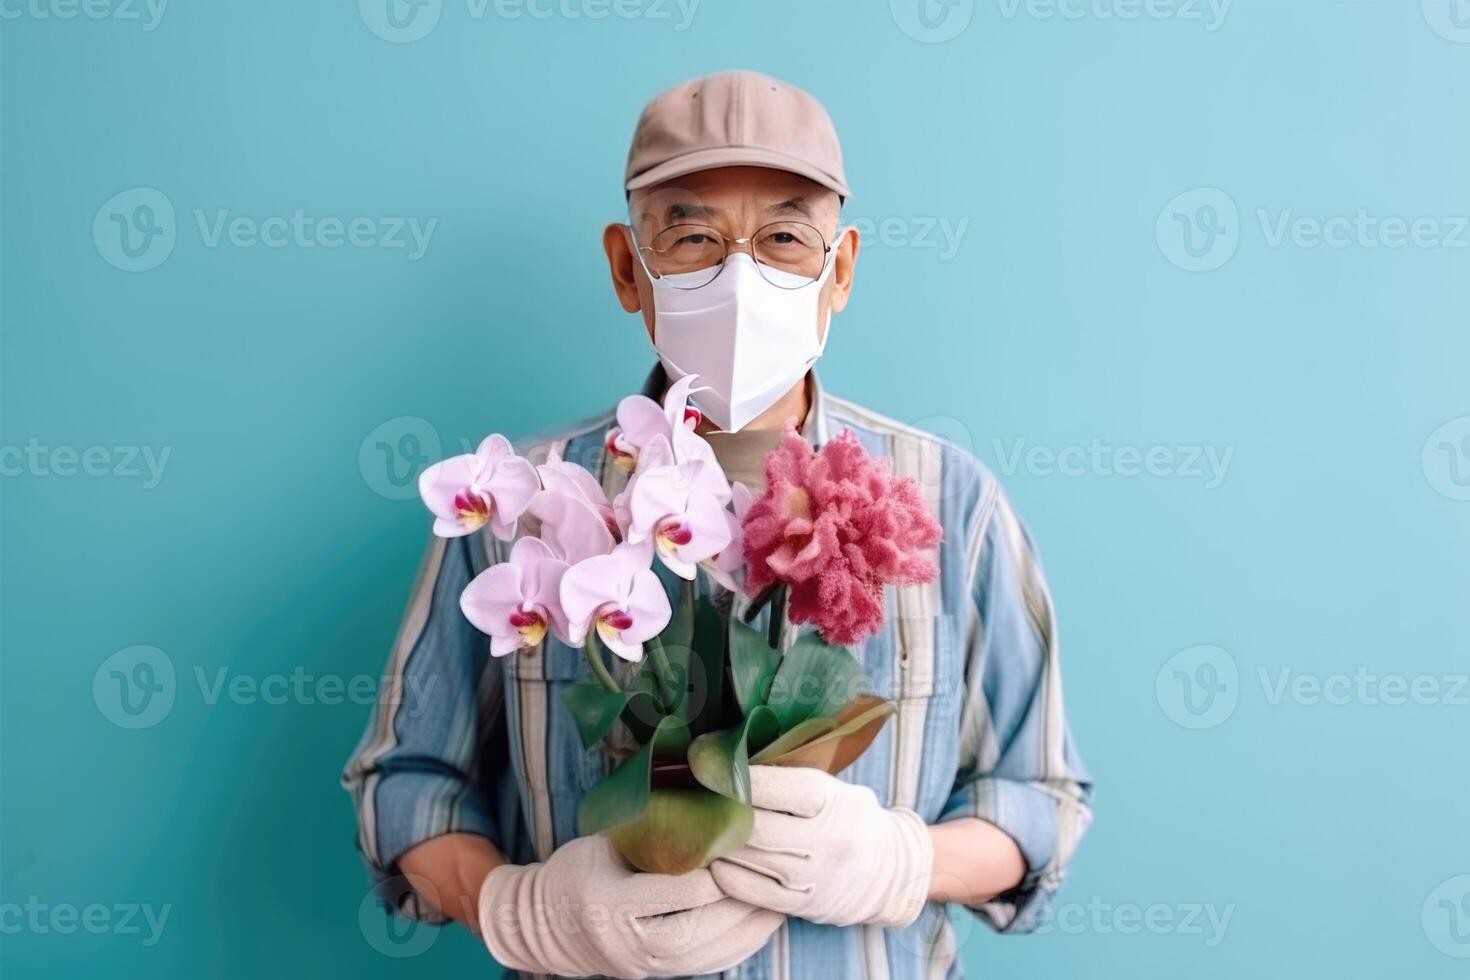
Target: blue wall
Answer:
[[1262, 624]]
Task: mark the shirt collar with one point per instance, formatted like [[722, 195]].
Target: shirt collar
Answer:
[[813, 430]]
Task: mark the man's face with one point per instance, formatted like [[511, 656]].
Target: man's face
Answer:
[[734, 201]]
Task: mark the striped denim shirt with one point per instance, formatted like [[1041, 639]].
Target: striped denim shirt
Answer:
[[462, 742]]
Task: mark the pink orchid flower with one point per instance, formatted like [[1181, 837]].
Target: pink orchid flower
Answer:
[[570, 480], [491, 486], [517, 601], [641, 420], [575, 528], [725, 567], [673, 506], [619, 596]]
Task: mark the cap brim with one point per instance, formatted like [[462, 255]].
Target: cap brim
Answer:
[[734, 156]]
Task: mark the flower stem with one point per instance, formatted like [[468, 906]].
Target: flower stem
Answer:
[[593, 650], [664, 671]]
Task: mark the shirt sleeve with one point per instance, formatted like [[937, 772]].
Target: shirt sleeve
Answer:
[[1019, 769], [420, 770]]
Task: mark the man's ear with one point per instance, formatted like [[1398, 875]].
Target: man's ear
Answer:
[[846, 261], [621, 263]]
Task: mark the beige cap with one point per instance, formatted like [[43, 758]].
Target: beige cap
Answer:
[[735, 119]]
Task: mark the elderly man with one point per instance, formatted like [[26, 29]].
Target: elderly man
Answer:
[[467, 791]]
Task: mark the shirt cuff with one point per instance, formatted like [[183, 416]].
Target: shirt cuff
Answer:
[[1029, 816], [413, 807]]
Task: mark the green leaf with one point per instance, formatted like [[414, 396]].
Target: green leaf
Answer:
[[594, 708], [752, 666], [799, 735], [704, 706], [682, 830], [623, 794], [814, 680], [856, 726], [721, 760]]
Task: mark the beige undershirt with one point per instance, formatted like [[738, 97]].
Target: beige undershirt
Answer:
[[741, 454]]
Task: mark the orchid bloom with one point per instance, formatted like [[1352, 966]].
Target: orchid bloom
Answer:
[[672, 505], [573, 527], [641, 420], [620, 596], [491, 486], [517, 601], [724, 566], [570, 480]]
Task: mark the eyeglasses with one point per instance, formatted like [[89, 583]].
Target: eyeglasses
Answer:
[[788, 254]]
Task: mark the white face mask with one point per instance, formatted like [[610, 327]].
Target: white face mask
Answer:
[[747, 339]]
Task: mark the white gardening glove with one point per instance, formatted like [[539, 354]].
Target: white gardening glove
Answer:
[[827, 851], [584, 912]]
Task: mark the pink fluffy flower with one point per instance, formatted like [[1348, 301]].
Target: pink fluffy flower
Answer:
[[835, 526]]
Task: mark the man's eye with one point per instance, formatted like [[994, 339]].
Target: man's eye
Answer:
[[694, 239]]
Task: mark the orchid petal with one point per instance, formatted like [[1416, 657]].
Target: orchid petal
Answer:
[[442, 482], [493, 448], [618, 644], [569, 524], [512, 485], [491, 597], [648, 604], [641, 419]]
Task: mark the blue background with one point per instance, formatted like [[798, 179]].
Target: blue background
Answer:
[[1331, 834]]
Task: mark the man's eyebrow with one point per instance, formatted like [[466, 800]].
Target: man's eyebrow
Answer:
[[683, 212], [797, 204]]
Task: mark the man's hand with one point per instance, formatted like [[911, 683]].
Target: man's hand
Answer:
[[584, 912], [827, 851]]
